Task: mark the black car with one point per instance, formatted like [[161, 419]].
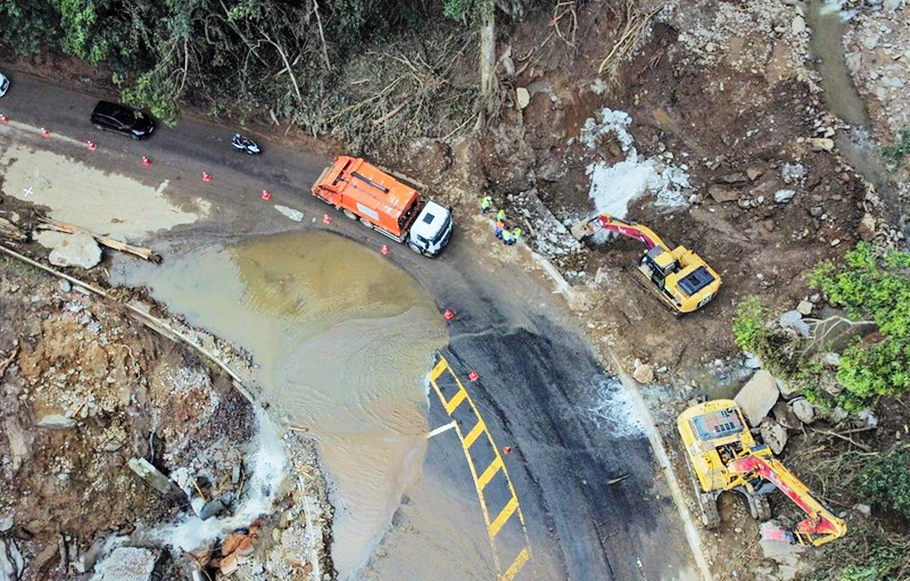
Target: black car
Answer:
[[109, 116]]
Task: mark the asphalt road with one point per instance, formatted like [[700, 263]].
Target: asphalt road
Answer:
[[566, 483]]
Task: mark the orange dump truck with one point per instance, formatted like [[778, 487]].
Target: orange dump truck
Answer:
[[366, 193]]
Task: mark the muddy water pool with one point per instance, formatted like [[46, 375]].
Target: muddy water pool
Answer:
[[343, 340]]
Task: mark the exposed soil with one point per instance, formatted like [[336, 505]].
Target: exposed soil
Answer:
[[725, 88]]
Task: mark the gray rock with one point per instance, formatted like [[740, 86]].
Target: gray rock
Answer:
[[79, 250], [774, 435], [753, 173], [832, 359], [868, 417], [235, 474], [126, 564], [643, 374], [522, 97], [864, 510], [65, 286], [722, 194], [794, 320], [758, 396], [803, 410], [751, 361], [787, 390], [733, 178], [56, 422], [216, 506], [892, 5], [784, 196], [6, 523], [785, 416], [799, 25], [805, 308], [821, 143]]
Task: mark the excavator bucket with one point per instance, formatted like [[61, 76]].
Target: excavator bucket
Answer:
[[582, 230]]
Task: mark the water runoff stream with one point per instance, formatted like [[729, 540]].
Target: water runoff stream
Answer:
[[344, 341]]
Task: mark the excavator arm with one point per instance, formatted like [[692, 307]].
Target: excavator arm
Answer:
[[821, 527], [595, 224]]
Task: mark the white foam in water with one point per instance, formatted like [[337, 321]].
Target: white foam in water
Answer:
[[269, 464], [614, 412], [614, 186]]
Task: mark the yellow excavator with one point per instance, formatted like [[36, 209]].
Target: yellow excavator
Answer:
[[723, 455], [679, 277]]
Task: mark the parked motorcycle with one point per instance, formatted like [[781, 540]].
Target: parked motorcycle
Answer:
[[241, 143]]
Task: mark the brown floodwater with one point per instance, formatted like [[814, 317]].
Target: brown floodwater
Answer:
[[343, 340]]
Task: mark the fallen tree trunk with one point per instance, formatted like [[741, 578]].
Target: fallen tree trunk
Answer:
[[141, 252], [10, 231]]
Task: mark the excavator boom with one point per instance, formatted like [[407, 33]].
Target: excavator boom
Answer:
[[595, 224], [678, 276], [822, 526]]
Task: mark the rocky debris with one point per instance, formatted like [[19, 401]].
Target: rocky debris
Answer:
[[753, 173], [783, 196], [78, 250], [821, 143], [751, 361], [757, 397], [127, 564], [804, 308], [868, 418], [642, 373], [773, 434], [803, 410], [153, 477]]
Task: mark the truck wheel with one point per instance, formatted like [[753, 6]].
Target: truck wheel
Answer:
[[367, 223], [350, 214], [415, 248]]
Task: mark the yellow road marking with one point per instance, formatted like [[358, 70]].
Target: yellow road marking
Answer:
[[488, 474], [504, 515], [439, 369], [480, 482], [516, 565], [479, 428], [456, 400]]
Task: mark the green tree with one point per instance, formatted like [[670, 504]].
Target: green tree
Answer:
[[27, 26]]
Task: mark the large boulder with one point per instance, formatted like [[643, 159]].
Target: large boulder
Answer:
[[79, 250], [803, 410], [758, 396]]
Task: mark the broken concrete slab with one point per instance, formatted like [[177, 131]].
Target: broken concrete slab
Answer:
[[153, 477], [126, 564], [758, 396], [79, 250], [721, 194]]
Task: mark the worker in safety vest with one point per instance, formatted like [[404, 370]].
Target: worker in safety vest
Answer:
[[500, 226], [516, 235], [507, 238], [485, 204], [501, 215]]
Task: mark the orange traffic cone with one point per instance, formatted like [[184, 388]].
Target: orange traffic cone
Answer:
[[45, 132], [266, 195], [91, 146], [385, 250], [448, 314], [4, 118], [326, 219], [146, 161], [206, 177]]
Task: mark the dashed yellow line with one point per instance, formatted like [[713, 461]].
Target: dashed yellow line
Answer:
[[512, 507]]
